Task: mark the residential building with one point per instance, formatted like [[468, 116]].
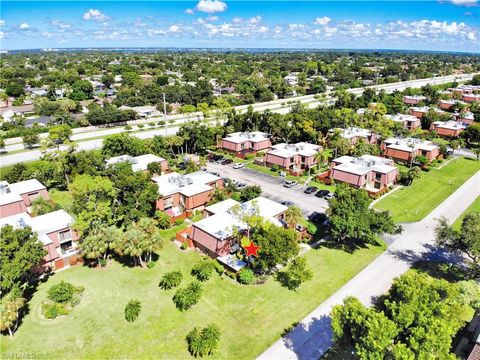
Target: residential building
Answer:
[[466, 118], [448, 128], [449, 104], [54, 231], [465, 89], [180, 195], [291, 79], [143, 111], [354, 134], [140, 163], [469, 98], [18, 197], [246, 142], [413, 100], [422, 110], [369, 172], [408, 121], [407, 149], [296, 158], [217, 235]]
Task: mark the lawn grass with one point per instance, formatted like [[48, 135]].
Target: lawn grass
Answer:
[[414, 202], [475, 206], [62, 198], [250, 317]]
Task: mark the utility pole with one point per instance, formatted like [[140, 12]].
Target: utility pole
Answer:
[[165, 114]]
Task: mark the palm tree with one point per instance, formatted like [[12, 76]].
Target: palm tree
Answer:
[[322, 156], [292, 216], [476, 151]]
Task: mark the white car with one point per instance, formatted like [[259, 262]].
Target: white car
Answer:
[[238, 165]]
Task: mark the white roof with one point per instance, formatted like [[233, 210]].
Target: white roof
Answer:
[[189, 184], [222, 225], [402, 118], [288, 150], [410, 144], [467, 115], [364, 164], [27, 186], [353, 132], [415, 97], [232, 262], [42, 225], [451, 125], [240, 137], [139, 163], [221, 206], [8, 198]]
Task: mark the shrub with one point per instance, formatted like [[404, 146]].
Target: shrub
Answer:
[[61, 292], [163, 219], [185, 298], [170, 280], [52, 310], [151, 124], [218, 267], [203, 342], [102, 262], [161, 123], [179, 222], [140, 126], [150, 264], [275, 168], [203, 270], [128, 128], [246, 276], [132, 310], [184, 245]]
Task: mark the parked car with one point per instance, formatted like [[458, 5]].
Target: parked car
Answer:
[[226, 161], [310, 190], [290, 184], [287, 203], [317, 217], [219, 161], [239, 165], [214, 158], [322, 193], [329, 196], [240, 185], [203, 168], [215, 173]]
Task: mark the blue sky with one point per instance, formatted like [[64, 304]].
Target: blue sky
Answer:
[[451, 25]]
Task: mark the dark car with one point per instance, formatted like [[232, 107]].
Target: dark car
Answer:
[[322, 193], [317, 217], [214, 158], [310, 190], [215, 173], [287, 203], [226, 161]]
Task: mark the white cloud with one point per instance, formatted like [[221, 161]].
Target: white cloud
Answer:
[[24, 26], [462, 2], [263, 29], [60, 24], [255, 19], [212, 18], [323, 20], [2, 34], [174, 29], [96, 15], [2, 22], [211, 6], [189, 11]]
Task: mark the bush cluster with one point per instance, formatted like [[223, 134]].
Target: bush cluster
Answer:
[[170, 280], [246, 276], [185, 298], [203, 270]]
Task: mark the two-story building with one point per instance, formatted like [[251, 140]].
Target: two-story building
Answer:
[[407, 149], [18, 197], [140, 163], [409, 122], [368, 172], [449, 104], [469, 98], [219, 234], [296, 158], [246, 142], [354, 134], [413, 99], [448, 128], [180, 195]]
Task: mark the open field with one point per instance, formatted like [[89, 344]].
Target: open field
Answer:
[[413, 203], [250, 317], [475, 206]]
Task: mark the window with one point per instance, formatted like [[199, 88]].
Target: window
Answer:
[[378, 176], [167, 203], [66, 246], [424, 153], [64, 235]]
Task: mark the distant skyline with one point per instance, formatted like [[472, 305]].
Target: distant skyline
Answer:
[[446, 25]]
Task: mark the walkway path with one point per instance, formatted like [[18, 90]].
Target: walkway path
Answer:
[[313, 336]]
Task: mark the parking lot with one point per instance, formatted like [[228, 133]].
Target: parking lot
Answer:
[[272, 187]]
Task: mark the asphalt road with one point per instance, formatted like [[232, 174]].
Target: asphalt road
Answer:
[[313, 336], [272, 187]]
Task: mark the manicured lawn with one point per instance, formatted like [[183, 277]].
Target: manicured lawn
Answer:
[[475, 206], [62, 198], [250, 317], [413, 203]]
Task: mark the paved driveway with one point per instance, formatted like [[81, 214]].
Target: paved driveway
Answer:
[[272, 187]]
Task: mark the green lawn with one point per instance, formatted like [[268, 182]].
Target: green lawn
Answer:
[[250, 317], [413, 203], [475, 206]]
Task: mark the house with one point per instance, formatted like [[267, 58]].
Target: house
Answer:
[[354, 134], [448, 128], [219, 207], [465, 89], [181, 195], [408, 121], [54, 231], [422, 110], [218, 234], [143, 111], [469, 98], [407, 149], [369, 172], [295, 158], [246, 142], [97, 85], [449, 104], [140, 163], [413, 99], [291, 79], [467, 118], [18, 197]]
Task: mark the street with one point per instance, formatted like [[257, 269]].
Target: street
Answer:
[[272, 187], [313, 336]]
